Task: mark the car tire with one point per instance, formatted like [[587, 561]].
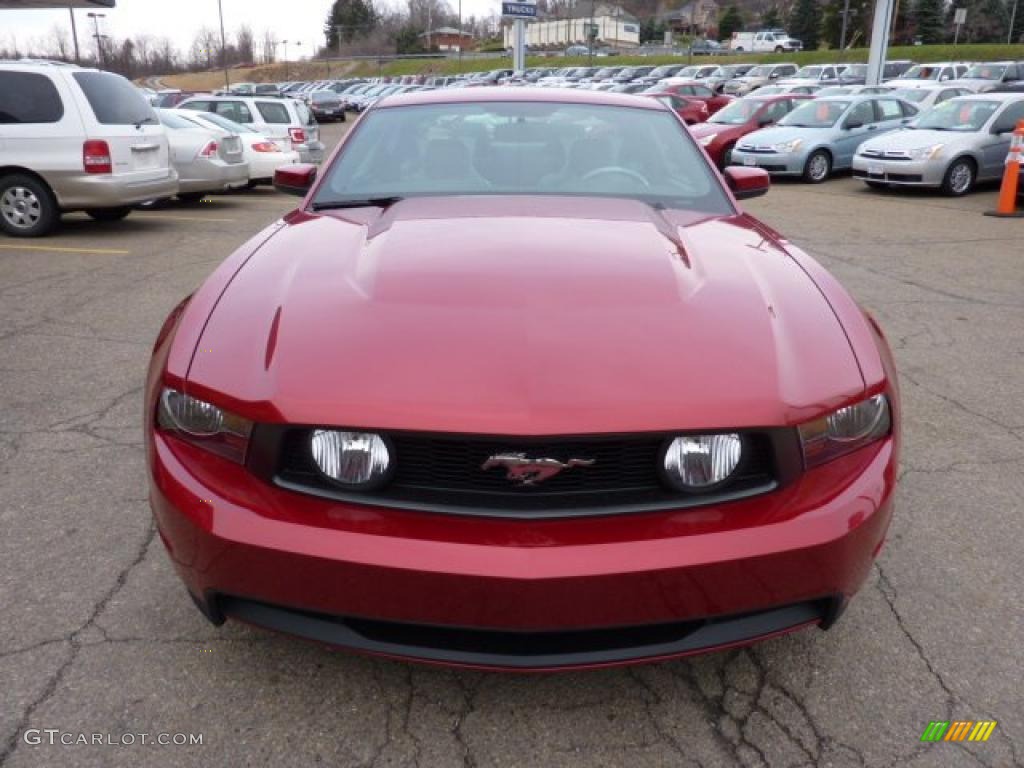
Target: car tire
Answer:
[[779, 49], [191, 197], [108, 214], [739, 49], [818, 166], [727, 156], [960, 177], [27, 206]]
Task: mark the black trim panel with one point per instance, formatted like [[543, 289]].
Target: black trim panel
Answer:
[[525, 649]]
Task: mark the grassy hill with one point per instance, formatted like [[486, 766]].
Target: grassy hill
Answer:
[[309, 70]]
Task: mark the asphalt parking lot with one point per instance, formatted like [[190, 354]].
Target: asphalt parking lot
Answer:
[[98, 635]]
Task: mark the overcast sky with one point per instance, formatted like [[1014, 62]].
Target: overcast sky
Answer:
[[179, 19]]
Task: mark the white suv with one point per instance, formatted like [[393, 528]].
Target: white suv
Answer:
[[287, 122], [74, 139]]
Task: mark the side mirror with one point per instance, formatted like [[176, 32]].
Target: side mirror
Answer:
[[746, 183], [295, 179], [851, 124]]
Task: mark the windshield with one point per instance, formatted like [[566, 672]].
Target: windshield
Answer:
[[736, 113], [986, 72], [856, 70], [808, 73], [922, 72], [174, 121], [770, 90], [523, 148], [687, 72], [815, 114], [958, 115], [324, 96], [114, 100], [223, 122], [835, 90], [664, 71], [759, 72], [916, 95]]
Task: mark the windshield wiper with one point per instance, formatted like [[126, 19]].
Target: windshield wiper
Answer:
[[379, 202], [146, 121]]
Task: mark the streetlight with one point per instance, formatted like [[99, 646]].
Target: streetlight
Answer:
[[74, 34], [99, 42], [223, 47]]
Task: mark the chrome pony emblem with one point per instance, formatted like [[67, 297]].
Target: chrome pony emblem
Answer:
[[524, 471]]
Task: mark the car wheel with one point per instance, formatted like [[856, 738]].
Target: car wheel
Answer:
[[108, 214], [779, 49], [739, 50], [877, 184], [191, 197], [959, 178], [27, 207], [818, 166]]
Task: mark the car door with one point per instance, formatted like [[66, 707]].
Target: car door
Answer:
[[856, 126], [995, 141], [889, 115]]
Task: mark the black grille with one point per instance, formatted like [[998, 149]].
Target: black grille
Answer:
[[444, 473]]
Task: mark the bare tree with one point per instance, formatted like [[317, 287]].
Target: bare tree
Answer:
[[269, 46], [244, 44], [58, 43]]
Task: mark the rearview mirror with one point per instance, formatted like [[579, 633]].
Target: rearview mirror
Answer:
[[746, 183], [295, 179]]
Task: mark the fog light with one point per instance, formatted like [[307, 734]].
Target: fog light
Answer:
[[358, 460], [697, 462]]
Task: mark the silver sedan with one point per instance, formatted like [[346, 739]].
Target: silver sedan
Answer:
[[205, 161], [952, 146]]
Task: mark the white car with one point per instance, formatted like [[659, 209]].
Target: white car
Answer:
[[263, 155], [289, 123], [75, 139], [927, 96], [929, 74]]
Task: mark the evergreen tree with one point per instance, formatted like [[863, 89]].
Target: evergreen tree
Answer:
[[348, 20], [991, 23], [770, 19], [729, 22], [928, 21], [805, 23]]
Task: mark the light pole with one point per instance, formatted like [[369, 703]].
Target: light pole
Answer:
[[223, 47], [99, 42], [1013, 19], [461, 41], [285, 44], [74, 34]]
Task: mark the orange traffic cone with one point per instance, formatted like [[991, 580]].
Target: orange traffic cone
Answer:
[[1007, 207]]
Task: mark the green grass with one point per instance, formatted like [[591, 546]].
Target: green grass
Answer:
[[918, 53]]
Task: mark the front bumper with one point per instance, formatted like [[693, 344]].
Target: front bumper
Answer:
[[911, 173], [515, 594], [776, 163]]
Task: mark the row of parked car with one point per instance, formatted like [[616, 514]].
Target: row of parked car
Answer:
[[78, 139]]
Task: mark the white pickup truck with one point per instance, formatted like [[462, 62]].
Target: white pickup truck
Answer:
[[764, 41]]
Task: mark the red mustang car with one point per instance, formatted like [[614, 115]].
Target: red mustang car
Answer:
[[525, 391], [721, 132], [692, 111], [691, 89]]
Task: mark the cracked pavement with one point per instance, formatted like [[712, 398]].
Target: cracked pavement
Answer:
[[99, 636]]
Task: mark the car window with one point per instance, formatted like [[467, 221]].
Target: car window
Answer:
[[776, 111], [28, 97], [114, 100], [816, 114], [198, 106], [305, 117], [176, 122], [963, 115], [702, 91], [889, 109], [233, 110], [862, 113], [524, 148], [274, 113], [1007, 120]]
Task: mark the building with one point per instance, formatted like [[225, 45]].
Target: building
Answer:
[[693, 18], [447, 39], [609, 26]]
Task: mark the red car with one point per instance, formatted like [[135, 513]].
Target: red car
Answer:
[[692, 111], [691, 89], [529, 391], [721, 132]]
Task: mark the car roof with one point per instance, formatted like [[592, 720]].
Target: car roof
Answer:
[[511, 95], [990, 96]]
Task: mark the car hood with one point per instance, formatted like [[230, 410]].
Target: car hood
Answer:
[[915, 139], [524, 316], [781, 133]]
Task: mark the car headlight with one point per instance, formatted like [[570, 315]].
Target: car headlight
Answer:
[[845, 430], [357, 460], [926, 153], [204, 424], [788, 146], [706, 140], [698, 462]]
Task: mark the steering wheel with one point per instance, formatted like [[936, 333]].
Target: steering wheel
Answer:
[[617, 169]]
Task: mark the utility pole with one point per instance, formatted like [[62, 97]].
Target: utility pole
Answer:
[[591, 37], [461, 41], [99, 41], [1013, 19], [846, 15], [223, 47], [74, 34]]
